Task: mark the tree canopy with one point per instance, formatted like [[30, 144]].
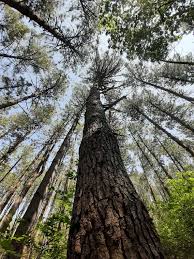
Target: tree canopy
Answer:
[[85, 187]]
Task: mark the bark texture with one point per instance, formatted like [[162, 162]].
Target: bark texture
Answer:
[[109, 220]]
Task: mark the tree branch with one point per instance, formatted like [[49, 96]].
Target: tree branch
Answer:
[[25, 10], [109, 106], [3, 55]]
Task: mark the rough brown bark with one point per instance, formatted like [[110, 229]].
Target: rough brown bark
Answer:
[[109, 220]]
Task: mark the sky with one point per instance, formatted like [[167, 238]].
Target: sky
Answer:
[[184, 46]]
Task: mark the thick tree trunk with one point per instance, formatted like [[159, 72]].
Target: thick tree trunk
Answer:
[[109, 220]]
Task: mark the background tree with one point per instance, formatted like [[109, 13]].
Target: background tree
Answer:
[[142, 116], [154, 25]]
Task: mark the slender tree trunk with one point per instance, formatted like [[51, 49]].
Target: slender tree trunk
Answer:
[[25, 98], [49, 198], [3, 55], [11, 191], [7, 132], [9, 171], [28, 250], [175, 139], [24, 177], [172, 116], [147, 180], [31, 213], [187, 98], [152, 192], [164, 188], [12, 148], [189, 63], [174, 160], [150, 187], [26, 187], [109, 106], [64, 189], [25, 10], [43, 214], [177, 79], [155, 157], [109, 220]]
